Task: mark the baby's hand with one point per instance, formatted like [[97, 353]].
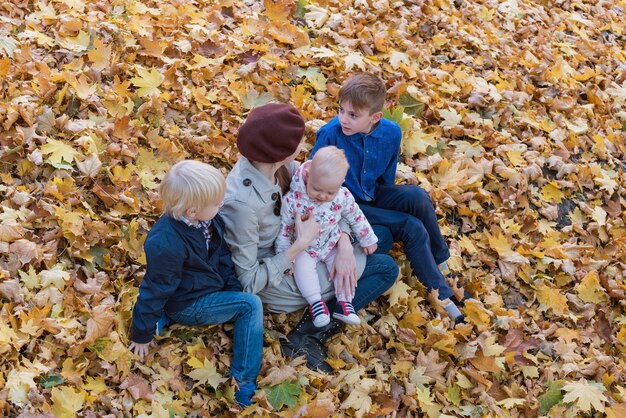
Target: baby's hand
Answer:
[[370, 249], [141, 350]]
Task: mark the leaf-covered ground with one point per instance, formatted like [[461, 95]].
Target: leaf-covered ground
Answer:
[[514, 119]]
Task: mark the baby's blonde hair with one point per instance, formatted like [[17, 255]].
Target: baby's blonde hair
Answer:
[[329, 161], [191, 185]]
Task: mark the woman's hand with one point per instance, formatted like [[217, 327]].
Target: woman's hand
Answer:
[[307, 229], [344, 268], [141, 350]]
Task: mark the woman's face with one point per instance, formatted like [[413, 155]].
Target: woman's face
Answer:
[[294, 155]]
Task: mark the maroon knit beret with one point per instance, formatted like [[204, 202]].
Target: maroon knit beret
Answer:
[[270, 133]]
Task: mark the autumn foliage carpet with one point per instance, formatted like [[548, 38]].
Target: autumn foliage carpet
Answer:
[[514, 120]]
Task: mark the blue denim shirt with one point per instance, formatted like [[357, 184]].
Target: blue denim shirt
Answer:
[[373, 157]]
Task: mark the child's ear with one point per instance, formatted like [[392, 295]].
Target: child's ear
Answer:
[[376, 117], [190, 213]]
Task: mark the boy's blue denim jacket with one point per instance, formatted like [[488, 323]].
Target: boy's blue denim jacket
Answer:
[[373, 157], [179, 270]]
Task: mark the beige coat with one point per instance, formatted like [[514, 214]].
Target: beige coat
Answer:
[[251, 228]]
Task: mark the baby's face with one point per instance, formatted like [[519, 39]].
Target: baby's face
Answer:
[[323, 188]]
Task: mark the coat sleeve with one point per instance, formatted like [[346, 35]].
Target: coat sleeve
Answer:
[[242, 236], [164, 266], [361, 228]]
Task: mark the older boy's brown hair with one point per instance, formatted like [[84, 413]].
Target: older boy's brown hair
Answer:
[[364, 91]]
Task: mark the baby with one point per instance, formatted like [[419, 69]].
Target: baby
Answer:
[[316, 190]]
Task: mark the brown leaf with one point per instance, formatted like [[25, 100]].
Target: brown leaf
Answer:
[[100, 323], [25, 250], [278, 375], [12, 290], [603, 327], [11, 231], [138, 387]]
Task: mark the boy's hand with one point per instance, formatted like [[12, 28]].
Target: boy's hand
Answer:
[[370, 249], [141, 350]]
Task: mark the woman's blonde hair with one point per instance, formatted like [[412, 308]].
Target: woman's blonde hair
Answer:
[[191, 185]]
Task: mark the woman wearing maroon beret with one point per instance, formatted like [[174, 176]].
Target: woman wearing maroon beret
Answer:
[[269, 141]]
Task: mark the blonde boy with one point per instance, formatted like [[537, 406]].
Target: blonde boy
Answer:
[[190, 277]]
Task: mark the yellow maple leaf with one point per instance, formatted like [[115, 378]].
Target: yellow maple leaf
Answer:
[[287, 33], [100, 55], [589, 289], [58, 152], [66, 401], [95, 385], [477, 314], [450, 175], [300, 95], [417, 142], [204, 373], [279, 10], [147, 81], [83, 87], [587, 394], [150, 168], [551, 298], [399, 291], [500, 243], [78, 43], [56, 276], [359, 398], [134, 243], [552, 193]]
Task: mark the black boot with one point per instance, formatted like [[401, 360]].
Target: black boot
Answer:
[[308, 340]]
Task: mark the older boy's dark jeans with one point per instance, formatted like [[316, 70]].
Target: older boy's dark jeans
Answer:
[[408, 213], [246, 311]]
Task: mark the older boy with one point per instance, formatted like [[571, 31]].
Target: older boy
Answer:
[[190, 276], [372, 145]]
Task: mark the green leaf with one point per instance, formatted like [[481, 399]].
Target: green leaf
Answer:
[[301, 8], [287, 393], [51, 380], [454, 394], [553, 396], [411, 105], [394, 114]]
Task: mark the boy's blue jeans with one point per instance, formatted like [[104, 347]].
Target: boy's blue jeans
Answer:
[[408, 213], [246, 310]]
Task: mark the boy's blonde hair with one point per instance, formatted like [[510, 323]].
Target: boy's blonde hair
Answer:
[[330, 160], [191, 185], [364, 91]]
